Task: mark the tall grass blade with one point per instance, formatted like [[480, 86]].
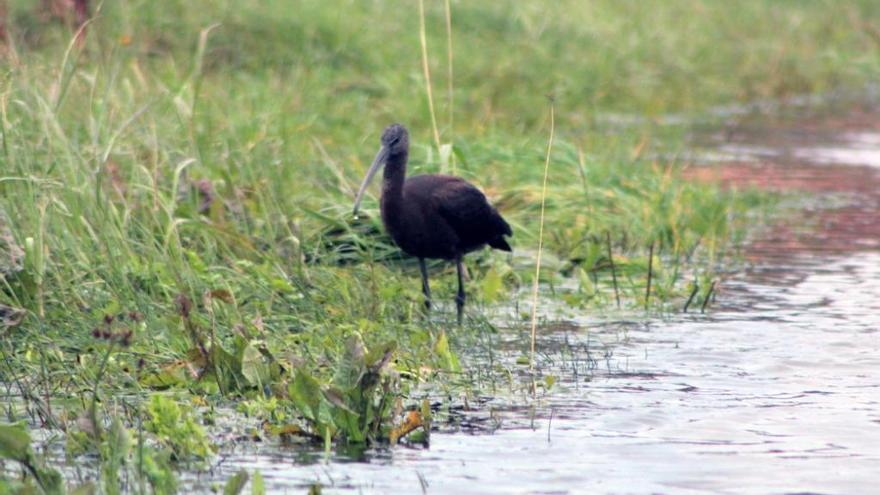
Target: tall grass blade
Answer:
[[449, 77], [691, 297], [427, 72], [540, 240], [64, 77], [650, 275], [613, 269], [708, 297]]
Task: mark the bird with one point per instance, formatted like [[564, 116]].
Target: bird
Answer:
[[432, 216]]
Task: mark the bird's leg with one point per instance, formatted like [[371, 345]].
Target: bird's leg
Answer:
[[426, 289], [459, 298]]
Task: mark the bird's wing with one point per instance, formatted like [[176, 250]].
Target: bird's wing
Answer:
[[465, 207]]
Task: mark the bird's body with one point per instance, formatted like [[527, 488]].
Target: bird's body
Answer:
[[433, 216], [440, 216]]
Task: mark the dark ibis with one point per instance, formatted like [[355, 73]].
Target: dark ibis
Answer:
[[432, 216]]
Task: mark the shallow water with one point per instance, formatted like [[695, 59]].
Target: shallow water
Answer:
[[776, 391], [779, 393]]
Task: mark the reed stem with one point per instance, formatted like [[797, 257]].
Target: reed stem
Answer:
[[540, 241], [427, 72], [613, 270], [650, 275]]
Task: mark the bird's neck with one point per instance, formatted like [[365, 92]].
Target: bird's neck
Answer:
[[394, 175]]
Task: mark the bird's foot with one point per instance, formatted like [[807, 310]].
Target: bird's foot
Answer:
[[459, 307]]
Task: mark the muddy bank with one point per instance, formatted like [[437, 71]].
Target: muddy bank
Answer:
[[832, 160]]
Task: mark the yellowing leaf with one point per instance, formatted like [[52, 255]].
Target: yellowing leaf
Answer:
[[412, 421], [288, 429], [223, 295]]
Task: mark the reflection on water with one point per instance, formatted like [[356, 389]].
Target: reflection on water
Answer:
[[777, 391], [850, 148]]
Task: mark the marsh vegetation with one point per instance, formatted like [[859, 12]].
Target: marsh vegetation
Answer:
[[176, 234]]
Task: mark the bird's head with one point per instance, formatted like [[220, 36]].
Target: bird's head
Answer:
[[395, 145], [396, 139]]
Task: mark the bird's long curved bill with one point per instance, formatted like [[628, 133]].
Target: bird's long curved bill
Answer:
[[381, 156]]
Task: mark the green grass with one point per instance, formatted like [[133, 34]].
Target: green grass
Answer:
[[151, 168]]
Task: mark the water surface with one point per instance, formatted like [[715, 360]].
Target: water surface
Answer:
[[777, 390]]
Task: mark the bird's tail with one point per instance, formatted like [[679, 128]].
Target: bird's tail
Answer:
[[500, 243]]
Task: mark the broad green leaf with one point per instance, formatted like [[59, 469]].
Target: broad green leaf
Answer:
[[305, 393], [258, 487], [352, 364], [379, 356], [176, 373], [448, 360], [235, 485], [337, 398], [252, 366], [492, 285], [586, 282], [227, 367], [15, 443]]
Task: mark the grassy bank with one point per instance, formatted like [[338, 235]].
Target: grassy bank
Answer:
[[176, 192]]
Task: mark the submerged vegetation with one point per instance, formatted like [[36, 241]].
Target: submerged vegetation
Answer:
[[175, 192]]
